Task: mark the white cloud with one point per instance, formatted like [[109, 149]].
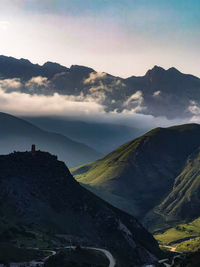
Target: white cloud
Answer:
[[194, 108], [135, 98], [25, 104], [95, 76], [14, 83], [39, 81], [82, 107], [134, 103], [156, 93]]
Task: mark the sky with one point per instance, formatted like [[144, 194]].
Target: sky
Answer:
[[121, 37]]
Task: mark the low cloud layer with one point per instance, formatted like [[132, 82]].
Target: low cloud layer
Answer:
[[25, 104], [88, 107]]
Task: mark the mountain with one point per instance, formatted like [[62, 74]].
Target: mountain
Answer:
[[37, 190], [155, 177], [17, 134], [167, 92], [159, 92], [103, 137], [22, 68]]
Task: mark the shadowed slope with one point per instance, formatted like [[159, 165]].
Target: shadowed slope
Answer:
[[17, 134], [38, 189]]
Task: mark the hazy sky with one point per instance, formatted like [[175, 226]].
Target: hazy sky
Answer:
[[122, 37]]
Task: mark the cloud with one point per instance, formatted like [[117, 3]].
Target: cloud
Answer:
[[134, 103], [39, 84], [34, 85], [156, 93], [194, 108], [26, 104], [136, 97], [82, 107], [95, 76], [10, 84], [39, 81]]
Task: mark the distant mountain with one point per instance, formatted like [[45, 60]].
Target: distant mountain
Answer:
[[155, 177], [167, 92], [37, 190], [103, 137], [17, 134], [22, 68], [159, 92]]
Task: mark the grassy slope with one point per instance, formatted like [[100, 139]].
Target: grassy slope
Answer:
[[108, 167], [184, 197], [192, 245], [179, 233], [141, 172]]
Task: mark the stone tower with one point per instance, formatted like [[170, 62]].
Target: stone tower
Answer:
[[33, 149]]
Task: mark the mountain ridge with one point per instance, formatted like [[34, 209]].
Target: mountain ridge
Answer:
[[39, 190], [140, 175], [17, 134], [159, 92]]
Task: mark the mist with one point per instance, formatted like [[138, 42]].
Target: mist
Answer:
[[84, 108]]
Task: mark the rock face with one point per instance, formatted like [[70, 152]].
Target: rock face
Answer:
[[38, 189], [157, 172]]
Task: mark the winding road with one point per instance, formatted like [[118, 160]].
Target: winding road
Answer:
[[107, 254]]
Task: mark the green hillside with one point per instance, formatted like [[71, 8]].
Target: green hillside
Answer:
[[139, 175], [182, 238], [179, 232], [183, 200]]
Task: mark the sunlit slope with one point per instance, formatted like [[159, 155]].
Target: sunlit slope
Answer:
[[184, 199], [179, 233], [140, 174], [183, 237]]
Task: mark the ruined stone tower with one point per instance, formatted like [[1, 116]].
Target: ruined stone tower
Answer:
[[33, 149]]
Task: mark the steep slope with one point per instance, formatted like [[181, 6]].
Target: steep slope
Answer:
[[38, 190], [103, 137], [17, 134], [137, 176], [184, 199]]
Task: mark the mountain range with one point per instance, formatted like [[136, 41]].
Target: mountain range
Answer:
[[155, 177], [103, 137], [159, 92], [17, 134], [38, 191]]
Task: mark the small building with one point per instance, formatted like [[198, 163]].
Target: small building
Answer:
[[33, 149]]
